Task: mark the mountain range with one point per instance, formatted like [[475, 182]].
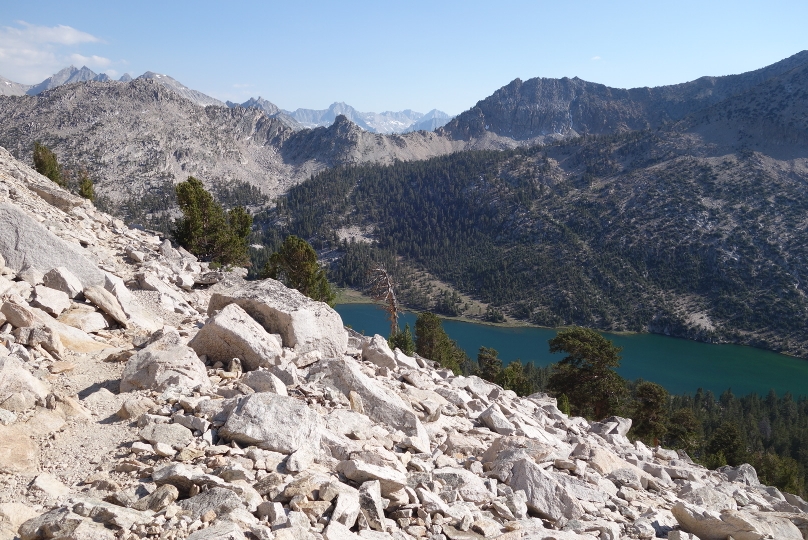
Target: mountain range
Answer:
[[677, 209], [385, 122]]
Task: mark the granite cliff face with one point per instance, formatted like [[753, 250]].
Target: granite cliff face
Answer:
[[144, 396], [152, 136], [546, 109]]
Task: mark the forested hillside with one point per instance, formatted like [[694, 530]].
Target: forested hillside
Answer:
[[621, 232]]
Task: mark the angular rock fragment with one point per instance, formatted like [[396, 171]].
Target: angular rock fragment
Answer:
[[273, 422], [223, 530], [50, 300], [216, 499], [62, 279], [496, 421], [303, 324], [264, 381], [545, 495], [165, 362], [107, 303], [370, 504], [173, 435], [377, 351], [232, 333], [84, 318], [17, 315], [16, 382], [389, 479], [380, 403]]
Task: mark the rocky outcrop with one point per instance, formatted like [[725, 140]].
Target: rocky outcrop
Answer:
[[24, 242], [232, 333], [303, 324]]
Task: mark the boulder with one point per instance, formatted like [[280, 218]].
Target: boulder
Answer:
[[84, 318], [232, 333], [347, 508], [134, 406], [545, 495], [359, 471], [165, 362], [173, 435], [19, 387], [50, 485], [738, 524], [743, 474], [57, 523], [72, 338], [222, 530], [380, 403], [43, 336], [377, 351], [264, 381], [370, 504], [50, 301], [706, 497], [62, 279], [12, 515], [496, 421], [220, 500], [303, 324], [19, 316], [19, 454], [273, 422], [25, 242], [469, 486], [107, 303]]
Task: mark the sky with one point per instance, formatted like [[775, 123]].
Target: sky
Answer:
[[381, 55]]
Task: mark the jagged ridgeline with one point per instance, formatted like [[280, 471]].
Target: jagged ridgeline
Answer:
[[618, 232]]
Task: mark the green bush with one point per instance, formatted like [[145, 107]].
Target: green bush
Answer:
[[295, 265], [206, 230], [46, 164]]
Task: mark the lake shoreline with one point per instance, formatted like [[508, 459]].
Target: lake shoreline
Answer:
[[680, 365], [347, 296]]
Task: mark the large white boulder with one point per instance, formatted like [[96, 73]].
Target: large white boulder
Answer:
[[303, 324], [62, 279], [380, 404], [24, 242], [273, 422], [165, 362], [545, 495], [377, 351], [19, 390], [738, 524], [232, 333]]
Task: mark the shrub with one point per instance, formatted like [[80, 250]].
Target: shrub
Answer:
[[206, 230]]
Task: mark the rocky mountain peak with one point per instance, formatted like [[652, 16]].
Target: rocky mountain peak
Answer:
[[68, 75]]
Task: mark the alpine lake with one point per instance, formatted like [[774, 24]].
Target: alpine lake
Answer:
[[680, 365]]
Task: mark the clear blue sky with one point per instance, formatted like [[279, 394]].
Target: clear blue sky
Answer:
[[382, 55]]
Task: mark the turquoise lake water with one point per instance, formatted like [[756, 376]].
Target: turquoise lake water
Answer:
[[680, 365]]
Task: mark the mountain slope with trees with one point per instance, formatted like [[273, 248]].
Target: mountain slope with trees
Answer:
[[666, 231]]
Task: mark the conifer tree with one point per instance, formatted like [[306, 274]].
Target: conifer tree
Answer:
[[432, 342], [295, 265], [586, 375], [206, 230], [46, 164], [86, 187]]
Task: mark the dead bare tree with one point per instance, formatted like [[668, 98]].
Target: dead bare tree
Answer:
[[381, 288]]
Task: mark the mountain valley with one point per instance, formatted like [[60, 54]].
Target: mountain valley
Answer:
[[677, 209]]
